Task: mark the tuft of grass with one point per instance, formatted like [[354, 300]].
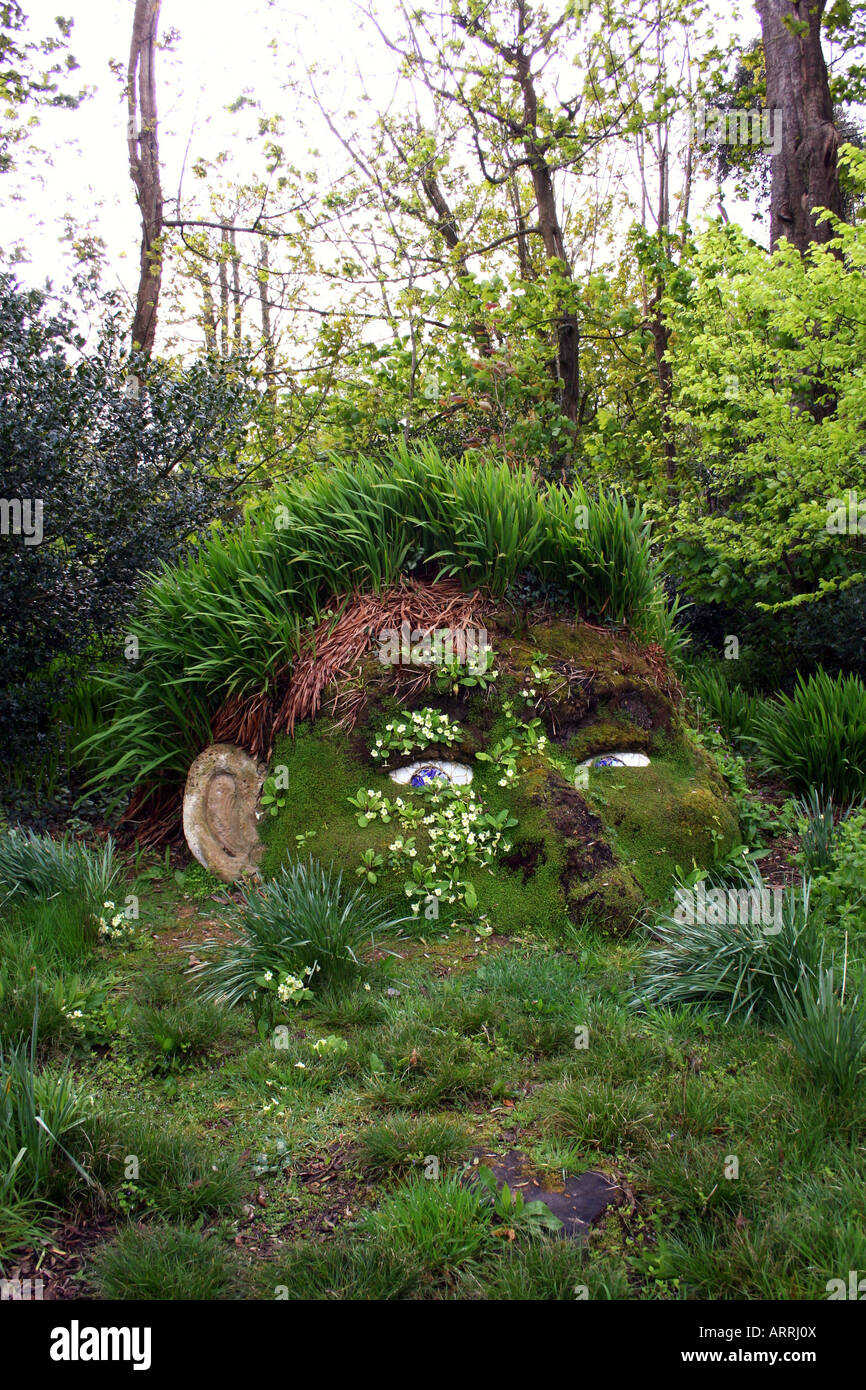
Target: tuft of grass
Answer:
[[39, 866], [742, 964], [439, 1226], [722, 702], [595, 1114], [547, 1270], [304, 919], [179, 1177], [186, 1031], [164, 1263], [42, 1119], [342, 1270], [828, 1032], [403, 1143]]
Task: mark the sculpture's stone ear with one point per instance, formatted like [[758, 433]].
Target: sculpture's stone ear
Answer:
[[219, 811]]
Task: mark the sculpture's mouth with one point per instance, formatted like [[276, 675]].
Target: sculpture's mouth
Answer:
[[431, 771], [617, 760]]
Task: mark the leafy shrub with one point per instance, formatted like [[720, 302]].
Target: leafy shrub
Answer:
[[37, 865], [123, 481], [164, 1263], [303, 923], [743, 965], [840, 891], [817, 736]]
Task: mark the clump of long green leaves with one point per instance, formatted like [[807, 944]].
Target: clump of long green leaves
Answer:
[[228, 618], [723, 703], [747, 964], [828, 1031], [41, 1114], [818, 816], [816, 737], [305, 923], [39, 866]]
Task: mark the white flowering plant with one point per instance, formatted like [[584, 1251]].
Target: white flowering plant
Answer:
[[113, 925], [416, 730], [460, 833]]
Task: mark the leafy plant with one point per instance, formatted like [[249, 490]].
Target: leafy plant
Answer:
[[417, 729], [455, 676], [511, 1208], [816, 737], [370, 864], [273, 797]]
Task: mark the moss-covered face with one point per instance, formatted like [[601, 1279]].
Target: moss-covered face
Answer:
[[536, 842]]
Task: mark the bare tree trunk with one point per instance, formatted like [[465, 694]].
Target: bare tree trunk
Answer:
[[804, 170], [237, 323], [143, 146], [568, 330], [208, 313], [270, 346]]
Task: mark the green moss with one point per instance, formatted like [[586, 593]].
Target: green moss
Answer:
[[661, 819], [611, 735], [322, 774]]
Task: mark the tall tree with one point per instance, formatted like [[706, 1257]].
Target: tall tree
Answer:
[[143, 142], [804, 171]]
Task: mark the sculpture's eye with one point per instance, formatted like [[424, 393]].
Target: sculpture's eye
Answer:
[[617, 760], [424, 774]]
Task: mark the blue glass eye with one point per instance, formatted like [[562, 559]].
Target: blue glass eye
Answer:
[[425, 775]]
